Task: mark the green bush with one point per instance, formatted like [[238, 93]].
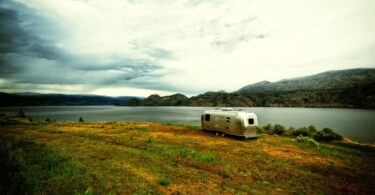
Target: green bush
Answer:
[[164, 181], [268, 129], [279, 129], [312, 128], [327, 134], [260, 130], [302, 131], [307, 141], [289, 131]]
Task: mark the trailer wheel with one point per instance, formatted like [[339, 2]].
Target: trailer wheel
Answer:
[[223, 134], [217, 134]]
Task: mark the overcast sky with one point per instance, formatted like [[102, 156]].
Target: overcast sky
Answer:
[[141, 47]]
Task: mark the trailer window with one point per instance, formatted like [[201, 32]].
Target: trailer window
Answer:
[[207, 117], [251, 121]]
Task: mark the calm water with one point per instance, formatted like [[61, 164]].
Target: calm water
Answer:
[[356, 124]]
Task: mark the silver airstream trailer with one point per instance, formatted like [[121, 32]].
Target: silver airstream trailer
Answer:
[[229, 122]]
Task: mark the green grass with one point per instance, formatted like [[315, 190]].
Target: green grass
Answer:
[[177, 152], [194, 127], [28, 167], [153, 158]]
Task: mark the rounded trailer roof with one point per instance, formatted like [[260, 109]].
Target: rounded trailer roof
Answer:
[[230, 112]]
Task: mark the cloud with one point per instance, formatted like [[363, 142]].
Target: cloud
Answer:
[[187, 46], [31, 55]]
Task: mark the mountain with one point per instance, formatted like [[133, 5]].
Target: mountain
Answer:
[[155, 100], [339, 79], [353, 88], [220, 99], [35, 99]]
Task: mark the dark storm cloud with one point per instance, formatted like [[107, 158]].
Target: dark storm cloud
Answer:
[[29, 54], [16, 35], [18, 42]]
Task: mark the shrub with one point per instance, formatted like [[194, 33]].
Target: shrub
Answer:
[[48, 120], [260, 130], [327, 134], [279, 129], [81, 119], [307, 141], [302, 131], [289, 131], [164, 181], [312, 128], [268, 129]]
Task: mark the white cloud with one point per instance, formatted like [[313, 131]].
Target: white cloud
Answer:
[[128, 91], [214, 45]]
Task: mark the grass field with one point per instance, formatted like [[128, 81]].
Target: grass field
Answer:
[[142, 158]]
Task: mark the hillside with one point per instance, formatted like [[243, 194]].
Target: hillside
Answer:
[[35, 99], [354, 88], [335, 80], [153, 158]]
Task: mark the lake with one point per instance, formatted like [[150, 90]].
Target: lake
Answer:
[[356, 124]]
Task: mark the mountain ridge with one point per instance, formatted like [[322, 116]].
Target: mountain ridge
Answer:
[[37, 99], [324, 80], [350, 88]]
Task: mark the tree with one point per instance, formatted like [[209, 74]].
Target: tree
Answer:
[[81, 119]]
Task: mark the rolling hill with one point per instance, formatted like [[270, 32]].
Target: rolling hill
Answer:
[[35, 99], [352, 88], [331, 80]]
